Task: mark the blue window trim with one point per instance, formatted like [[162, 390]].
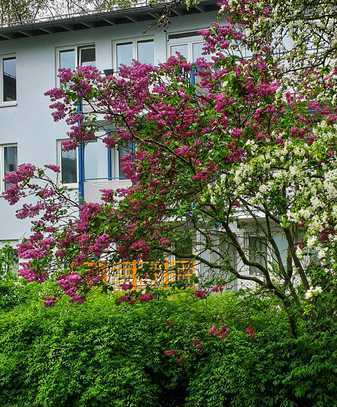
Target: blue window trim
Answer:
[[81, 161]]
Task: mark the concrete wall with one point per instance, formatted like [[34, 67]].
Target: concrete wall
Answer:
[[29, 123]]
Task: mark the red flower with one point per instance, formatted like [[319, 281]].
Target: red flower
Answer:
[[217, 288], [250, 331], [146, 297], [220, 333], [212, 330], [170, 352], [223, 332], [126, 286], [124, 298], [200, 293]]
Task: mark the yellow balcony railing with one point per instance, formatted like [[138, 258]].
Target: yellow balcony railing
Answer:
[[156, 274]]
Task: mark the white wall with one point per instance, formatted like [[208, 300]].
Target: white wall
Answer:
[[29, 123]]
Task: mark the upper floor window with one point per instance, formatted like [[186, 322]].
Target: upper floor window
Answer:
[[140, 50], [8, 163], [188, 45], [71, 57], [7, 79]]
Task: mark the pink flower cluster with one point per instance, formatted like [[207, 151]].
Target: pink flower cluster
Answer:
[[70, 284], [49, 301], [28, 273]]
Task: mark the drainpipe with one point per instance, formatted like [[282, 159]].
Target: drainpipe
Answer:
[[81, 158], [109, 164]]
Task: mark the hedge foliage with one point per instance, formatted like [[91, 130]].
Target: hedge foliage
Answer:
[[160, 354]]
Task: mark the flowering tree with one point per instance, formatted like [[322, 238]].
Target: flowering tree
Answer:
[[225, 142]]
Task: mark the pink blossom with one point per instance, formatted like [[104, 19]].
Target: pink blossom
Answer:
[[146, 297], [126, 286], [124, 298], [55, 168], [164, 242], [49, 301], [65, 75], [200, 293]]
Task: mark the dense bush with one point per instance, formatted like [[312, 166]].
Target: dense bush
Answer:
[[162, 353]]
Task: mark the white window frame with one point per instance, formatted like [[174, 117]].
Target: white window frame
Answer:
[[249, 235], [71, 185], [2, 163], [75, 48], [115, 165], [188, 40], [2, 102], [134, 41]]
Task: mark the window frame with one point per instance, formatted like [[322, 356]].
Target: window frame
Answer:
[[2, 163], [75, 48], [134, 41], [11, 102], [69, 185], [184, 38]]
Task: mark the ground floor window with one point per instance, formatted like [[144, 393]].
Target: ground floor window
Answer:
[[8, 163]]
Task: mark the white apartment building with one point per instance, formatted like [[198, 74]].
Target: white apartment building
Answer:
[[30, 56]]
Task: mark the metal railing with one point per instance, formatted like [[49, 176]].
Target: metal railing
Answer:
[[81, 13], [143, 274]]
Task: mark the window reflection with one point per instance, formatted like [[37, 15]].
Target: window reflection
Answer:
[[182, 49], [124, 54], [145, 52], [67, 59], [87, 56], [96, 165], [9, 79], [10, 161], [68, 166]]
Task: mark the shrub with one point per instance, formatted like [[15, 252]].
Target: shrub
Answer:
[[162, 353], [8, 262]]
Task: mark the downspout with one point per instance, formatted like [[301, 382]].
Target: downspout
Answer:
[[81, 158]]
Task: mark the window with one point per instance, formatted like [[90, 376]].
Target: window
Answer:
[[188, 45], [8, 79], [95, 161], [140, 50], [8, 163], [67, 160], [87, 56], [76, 56], [257, 253], [122, 152]]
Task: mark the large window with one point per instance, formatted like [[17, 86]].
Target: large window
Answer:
[[67, 160], [188, 45], [126, 51], [7, 79], [95, 162], [71, 57], [8, 163]]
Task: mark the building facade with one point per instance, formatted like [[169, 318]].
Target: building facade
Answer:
[[30, 56]]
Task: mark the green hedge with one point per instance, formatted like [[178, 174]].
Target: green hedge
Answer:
[[103, 354]]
